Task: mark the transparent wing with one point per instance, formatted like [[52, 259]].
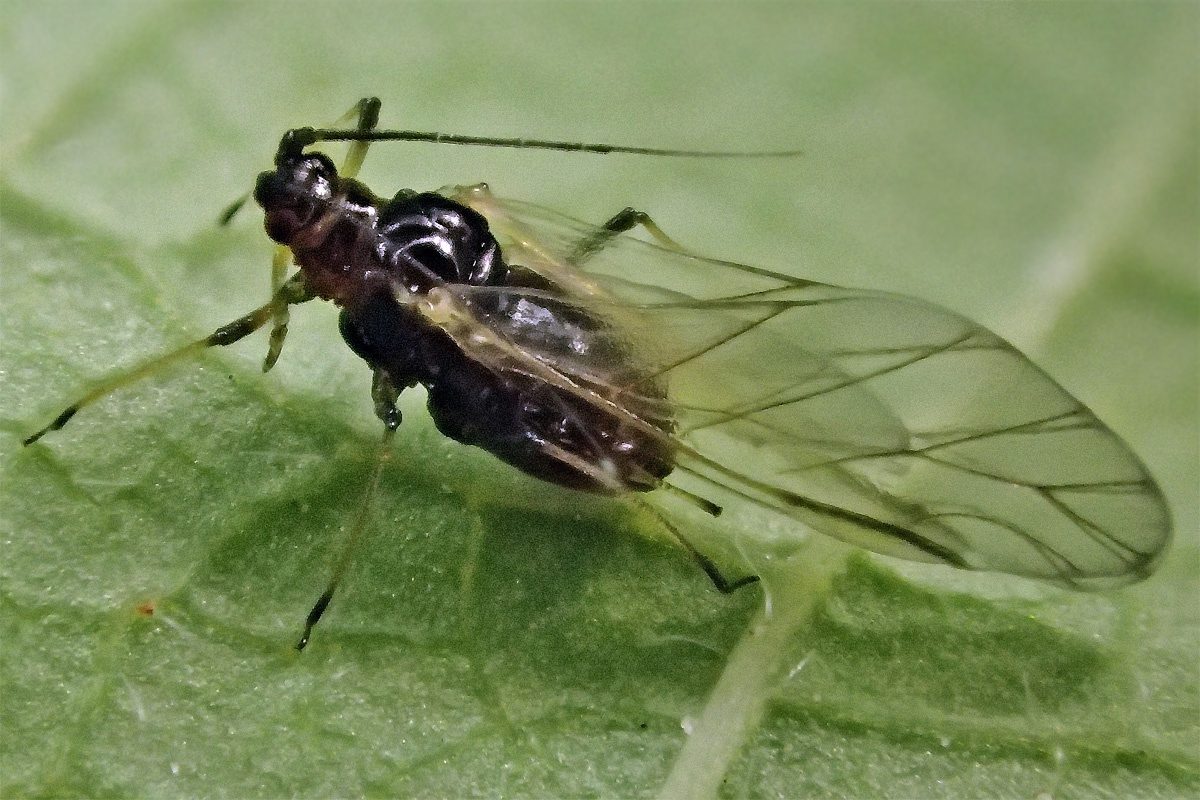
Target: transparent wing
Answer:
[[879, 419]]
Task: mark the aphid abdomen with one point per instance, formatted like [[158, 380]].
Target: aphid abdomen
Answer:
[[544, 432], [539, 429]]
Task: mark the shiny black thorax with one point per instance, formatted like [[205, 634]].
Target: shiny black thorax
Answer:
[[357, 250]]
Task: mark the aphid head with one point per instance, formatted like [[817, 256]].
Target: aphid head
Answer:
[[294, 193]]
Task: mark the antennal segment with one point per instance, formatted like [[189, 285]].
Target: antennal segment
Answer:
[[294, 141]]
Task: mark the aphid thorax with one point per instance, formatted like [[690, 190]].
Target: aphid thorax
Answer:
[[351, 243]]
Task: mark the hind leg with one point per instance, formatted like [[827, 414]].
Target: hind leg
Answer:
[[723, 584]]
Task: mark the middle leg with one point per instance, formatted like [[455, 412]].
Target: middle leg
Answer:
[[384, 395], [621, 222]]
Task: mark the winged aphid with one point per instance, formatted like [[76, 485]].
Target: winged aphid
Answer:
[[616, 366]]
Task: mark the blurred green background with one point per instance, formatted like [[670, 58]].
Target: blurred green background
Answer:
[[1033, 166]]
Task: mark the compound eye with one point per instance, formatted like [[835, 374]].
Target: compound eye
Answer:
[[318, 165], [271, 190]]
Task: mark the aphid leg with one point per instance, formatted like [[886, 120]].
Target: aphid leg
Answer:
[[367, 110], [232, 210], [384, 393], [294, 291], [702, 503], [723, 584], [621, 222], [281, 259], [385, 396]]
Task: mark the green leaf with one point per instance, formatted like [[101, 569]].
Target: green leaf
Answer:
[[1032, 166]]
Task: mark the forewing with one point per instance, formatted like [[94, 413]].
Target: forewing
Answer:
[[882, 420]]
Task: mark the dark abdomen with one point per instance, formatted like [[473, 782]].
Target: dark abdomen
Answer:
[[541, 429]]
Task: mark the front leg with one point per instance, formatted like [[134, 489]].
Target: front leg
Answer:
[[291, 293]]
